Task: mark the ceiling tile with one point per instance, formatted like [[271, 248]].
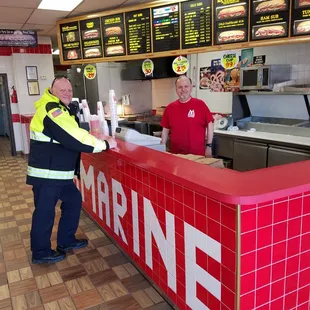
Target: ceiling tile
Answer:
[[38, 27], [10, 26], [14, 14], [30, 4], [46, 17], [97, 6]]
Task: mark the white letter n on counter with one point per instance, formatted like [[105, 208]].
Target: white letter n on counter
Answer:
[[166, 246]]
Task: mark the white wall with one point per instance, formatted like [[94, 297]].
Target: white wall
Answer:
[[163, 92], [45, 69]]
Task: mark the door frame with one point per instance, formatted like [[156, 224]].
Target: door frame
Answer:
[[9, 112]]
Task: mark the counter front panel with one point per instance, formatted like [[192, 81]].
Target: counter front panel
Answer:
[[183, 241]]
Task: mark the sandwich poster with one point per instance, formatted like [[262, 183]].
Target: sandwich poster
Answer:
[[91, 38], [113, 35], [300, 17], [231, 21], [70, 37], [269, 19], [22, 38]]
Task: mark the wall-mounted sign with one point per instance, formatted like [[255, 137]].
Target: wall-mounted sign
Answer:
[[147, 67], [90, 72], [180, 65], [229, 60], [166, 28], [300, 18], [91, 38], [269, 19], [230, 21], [259, 60], [70, 39], [21, 38]]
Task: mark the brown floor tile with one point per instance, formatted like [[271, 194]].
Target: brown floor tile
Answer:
[[73, 273], [143, 299], [103, 277], [19, 303], [5, 304], [126, 302], [23, 287], [87, 299], [135, 283], [88, 256], [53, 293], [33, 299], [116, 260], [101, 242]]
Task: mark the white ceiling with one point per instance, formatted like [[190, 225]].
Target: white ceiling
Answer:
[[23, 14]]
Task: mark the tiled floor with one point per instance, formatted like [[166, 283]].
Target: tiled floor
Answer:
[[97, 277]]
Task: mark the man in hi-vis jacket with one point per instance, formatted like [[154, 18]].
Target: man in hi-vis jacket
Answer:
[[55, 145]]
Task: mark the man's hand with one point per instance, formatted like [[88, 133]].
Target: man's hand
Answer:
[[208, 152], [112, 142]]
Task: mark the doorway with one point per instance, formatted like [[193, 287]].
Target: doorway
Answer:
[[6, 124]]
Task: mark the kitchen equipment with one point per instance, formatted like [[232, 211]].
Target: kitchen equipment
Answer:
[[263, 77], [133, 136]]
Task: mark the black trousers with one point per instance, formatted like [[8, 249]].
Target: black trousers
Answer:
[[45, 200]]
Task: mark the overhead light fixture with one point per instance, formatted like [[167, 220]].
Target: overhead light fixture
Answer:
[[59, 5]]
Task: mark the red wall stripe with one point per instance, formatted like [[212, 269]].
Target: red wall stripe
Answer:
[[40, 49], [15, 118]]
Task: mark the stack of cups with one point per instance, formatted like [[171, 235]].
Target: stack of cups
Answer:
[[113, 111], [86, 111], [103, 122]]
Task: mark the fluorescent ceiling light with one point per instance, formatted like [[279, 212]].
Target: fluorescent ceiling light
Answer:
[[59, 5]]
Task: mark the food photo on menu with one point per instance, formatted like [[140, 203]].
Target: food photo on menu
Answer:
[[113, 31], [269, 6], [228, 12], [205, 78], [115, 50], [231, 36], [91, 34], [92, 52], [72, 54], [302, 27], [270, 31], [302, 3]]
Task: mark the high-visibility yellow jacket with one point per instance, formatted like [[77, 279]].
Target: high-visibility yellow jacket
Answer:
[[56, 142]]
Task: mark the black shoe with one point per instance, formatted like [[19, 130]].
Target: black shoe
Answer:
[[77, 244], [55, 257]]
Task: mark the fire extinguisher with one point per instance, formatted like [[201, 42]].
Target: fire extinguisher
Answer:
[[14, 95]]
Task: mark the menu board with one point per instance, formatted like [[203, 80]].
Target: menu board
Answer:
[[269, 19], [196, 23], [70, 40], [113, 35], [231, 21], [138, 32], [300, 17], [91, 38], [166, 28]]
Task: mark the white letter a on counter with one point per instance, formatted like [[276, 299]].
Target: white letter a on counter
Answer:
[[103, 197], [166, 246], [119, 210], [89, 182]]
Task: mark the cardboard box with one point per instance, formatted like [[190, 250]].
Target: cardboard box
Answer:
[[214, 162]]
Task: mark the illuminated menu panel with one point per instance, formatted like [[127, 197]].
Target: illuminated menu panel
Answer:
[[230, 21], [196, 23], [91, 38], [138, 32], [300, 17], [113, 35], [166, 28], [70, 39], [269, 19]]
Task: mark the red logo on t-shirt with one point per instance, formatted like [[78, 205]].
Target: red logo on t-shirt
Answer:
[[191, 113]]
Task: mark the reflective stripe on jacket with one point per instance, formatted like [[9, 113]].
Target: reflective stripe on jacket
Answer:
[[56, 142]]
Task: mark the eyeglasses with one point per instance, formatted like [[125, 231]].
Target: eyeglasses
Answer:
[[59, 78]]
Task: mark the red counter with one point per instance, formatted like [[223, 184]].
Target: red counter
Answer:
[[208, 238]]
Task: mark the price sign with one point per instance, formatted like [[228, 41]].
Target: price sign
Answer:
[[229, 61], [180, 65], [147, 67], [90, 72]]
